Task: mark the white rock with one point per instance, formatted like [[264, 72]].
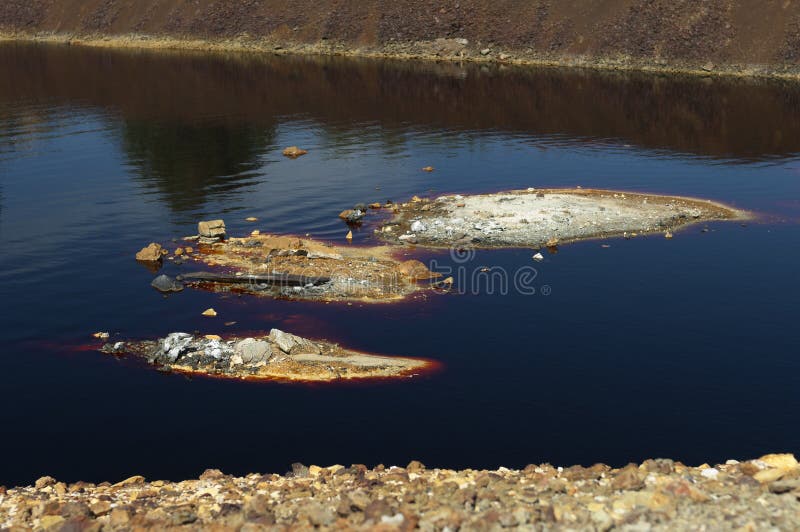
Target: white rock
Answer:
[[710, 472], [538, 257], [175, 343], [418, 227]]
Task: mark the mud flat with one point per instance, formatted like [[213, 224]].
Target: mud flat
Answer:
[[277, 356], [302, 268], [544, 217], [658, 494]]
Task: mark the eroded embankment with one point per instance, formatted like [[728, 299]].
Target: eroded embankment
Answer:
[[761, 494], [540, 218], [737, 37], [278, 356]]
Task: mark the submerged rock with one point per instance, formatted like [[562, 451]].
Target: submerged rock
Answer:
[[165, 284]]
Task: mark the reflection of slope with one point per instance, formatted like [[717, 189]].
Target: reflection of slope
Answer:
[[730, 119], [187, 163]]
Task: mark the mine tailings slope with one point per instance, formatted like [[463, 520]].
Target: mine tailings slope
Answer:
[[732, 36]]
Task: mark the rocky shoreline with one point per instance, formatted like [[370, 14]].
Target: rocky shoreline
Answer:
[[437, 50], [656, 495]]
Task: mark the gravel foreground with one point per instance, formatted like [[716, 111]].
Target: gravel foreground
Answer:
[[762, 494]]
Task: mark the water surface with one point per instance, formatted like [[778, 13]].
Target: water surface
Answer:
[[684, 348]]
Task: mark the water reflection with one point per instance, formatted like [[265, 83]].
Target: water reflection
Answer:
[[187, 163], [730, 119]]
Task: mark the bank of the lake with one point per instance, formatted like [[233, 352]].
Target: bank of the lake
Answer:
[[656, 495]]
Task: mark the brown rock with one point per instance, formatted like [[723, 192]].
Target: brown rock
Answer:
[[43, 482], [100, 508], [428, 169], [211, 229], [628, 478], [51, 522], [294, 152], [375, 206], [415, 467], [132, 481], [151, 253], [416, 270], [119, 517]]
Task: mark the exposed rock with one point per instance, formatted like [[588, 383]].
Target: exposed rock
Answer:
[[294, 152], [352, 215], [280, 355], [165, 283], [544, 218], [416, 270], [151, 253], [174, 345], [428, 169], [291, 344], [212, 229], [538, 257], [252, 351], [210, 312]]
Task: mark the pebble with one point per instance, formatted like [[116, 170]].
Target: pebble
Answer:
[[210, 312], [538, 257]]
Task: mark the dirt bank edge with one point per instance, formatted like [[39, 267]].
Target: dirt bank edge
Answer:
[[412, 51]]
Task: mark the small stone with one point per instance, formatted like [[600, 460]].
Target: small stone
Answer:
[[151, 253], [351, 215], [178, 252], [51, 522], [418, 227], [119, 517], [349, 235], [166, 284], [251, 219], [376, 206], [255, 232], [486, 51], [668, 234], [189, 249], [294, 152], [100, 508], [44, 482], [415, 466], [211, 229], [131, 481], [428, 169], [710, 472], [101, 335], [538, 257], [551, 243], [212, 337], [210, 312]]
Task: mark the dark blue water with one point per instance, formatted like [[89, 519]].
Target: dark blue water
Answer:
[[684, 348]]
